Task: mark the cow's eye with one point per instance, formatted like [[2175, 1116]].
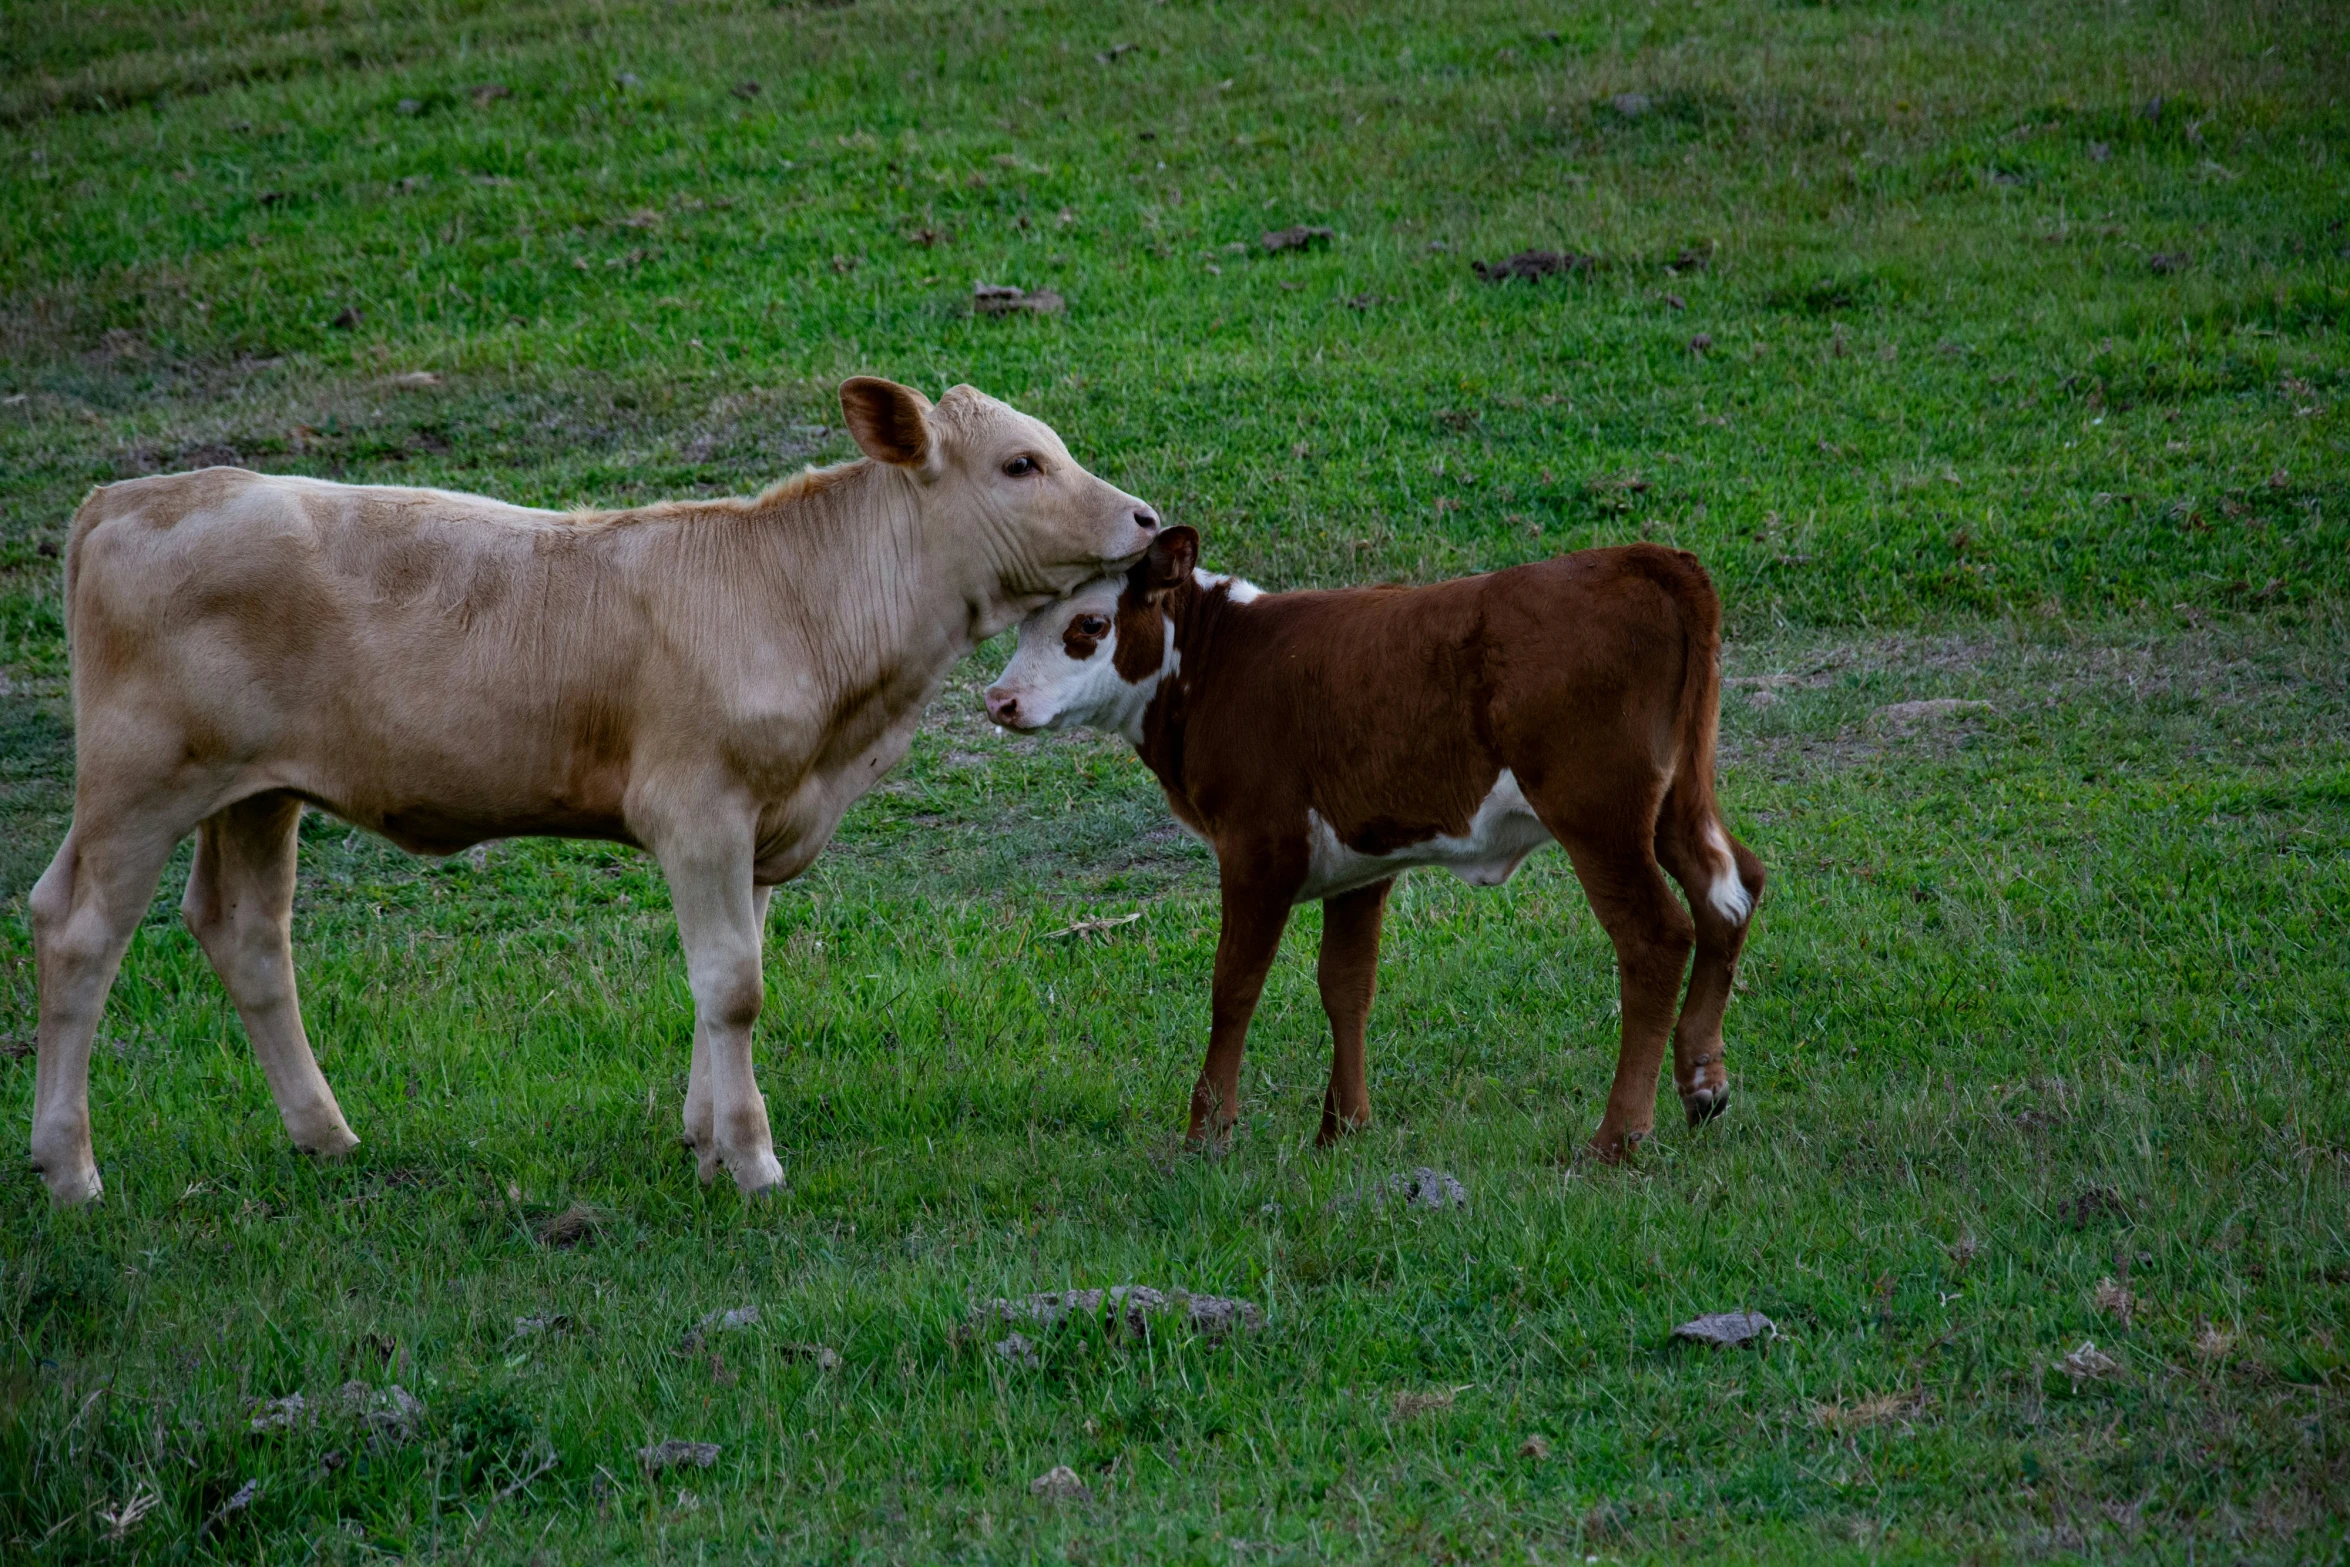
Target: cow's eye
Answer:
[[1092, 625], [1020, 467]]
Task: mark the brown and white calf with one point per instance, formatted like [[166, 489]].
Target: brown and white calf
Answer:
[[714, 681], [1324, 742]]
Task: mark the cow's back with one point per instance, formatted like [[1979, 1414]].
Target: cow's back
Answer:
[[368, 646], [1395, 708]]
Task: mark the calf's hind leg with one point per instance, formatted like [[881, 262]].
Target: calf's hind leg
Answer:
[[1652, 938], [240, 906], [1349, 973], [83, 912], [1724, 882]]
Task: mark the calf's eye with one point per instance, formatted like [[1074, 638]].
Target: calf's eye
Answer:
[[1091, 625], [1020, 467]]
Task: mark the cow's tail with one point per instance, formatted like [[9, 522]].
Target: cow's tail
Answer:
[[90, 513], [1732, 878]]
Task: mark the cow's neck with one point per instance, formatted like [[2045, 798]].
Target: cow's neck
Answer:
[[880, 606], [1192, 611]]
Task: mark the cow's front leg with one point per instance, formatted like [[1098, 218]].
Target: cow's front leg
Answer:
[[1254, 917], [718, 922], [1349, 974], [701, 1131]]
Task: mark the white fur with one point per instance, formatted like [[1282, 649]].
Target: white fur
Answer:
[[1060, 692], [1501, 834], [1242, 592], [1728, 894]]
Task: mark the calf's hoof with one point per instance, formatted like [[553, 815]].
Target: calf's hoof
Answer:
[[327, 1143], [760, 1175], [1335, 1128], [73, 1186], [1703, 1104], [707, 1162], [1611, 1147]]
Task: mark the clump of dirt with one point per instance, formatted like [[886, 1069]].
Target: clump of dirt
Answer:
[[574, 1226], [1534, 264], [1298, 236], [1001, 299], [1122, 1309]]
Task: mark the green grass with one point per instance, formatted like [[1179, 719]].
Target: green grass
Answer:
[[2043, 995]]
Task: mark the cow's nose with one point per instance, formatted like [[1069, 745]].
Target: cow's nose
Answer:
[[1002, 706], [1144, 517]]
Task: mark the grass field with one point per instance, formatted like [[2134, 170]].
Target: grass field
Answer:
[[1985, 351]]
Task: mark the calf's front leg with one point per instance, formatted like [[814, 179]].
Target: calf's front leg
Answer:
[[1349, 974], [718, 923], [701, 1132], [1253, 922]]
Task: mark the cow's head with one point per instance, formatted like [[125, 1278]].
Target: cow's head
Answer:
[[1000, 495], [1095, 659]]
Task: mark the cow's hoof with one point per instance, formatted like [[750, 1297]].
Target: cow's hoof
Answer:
[[1608, 1147], [73, 1187], [332, 1143], [759, 1176], [1703, 1104], [707, 1163]]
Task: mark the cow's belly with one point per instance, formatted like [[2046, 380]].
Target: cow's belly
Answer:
[[1500, 836]]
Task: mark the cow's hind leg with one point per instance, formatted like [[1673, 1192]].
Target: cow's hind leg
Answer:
[[1349, 972], [1608, 829], [240, 906], [83, 912], [1724, 882]]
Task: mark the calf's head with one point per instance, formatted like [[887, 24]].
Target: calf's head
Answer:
[[1003, 505], [1096, 658]]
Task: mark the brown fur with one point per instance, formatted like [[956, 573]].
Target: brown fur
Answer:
[[1388, 716]]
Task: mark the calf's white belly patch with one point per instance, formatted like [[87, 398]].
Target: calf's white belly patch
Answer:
[[1501, 834]]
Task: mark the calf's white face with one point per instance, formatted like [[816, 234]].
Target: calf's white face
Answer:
[[1064, 673]]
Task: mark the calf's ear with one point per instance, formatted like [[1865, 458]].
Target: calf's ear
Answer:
[[1165, 564], [891, 423]]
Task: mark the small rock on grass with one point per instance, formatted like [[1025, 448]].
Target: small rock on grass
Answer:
[[1059, 1483], [1418, 1187], [392, 1415], [675, 1454], [1000, 299], [1018, 1349], [280, 1414], [1728, 1329], [825, 1359], [2087, 1362]]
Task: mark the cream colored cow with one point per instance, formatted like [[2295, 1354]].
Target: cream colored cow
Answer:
[[714, 681]]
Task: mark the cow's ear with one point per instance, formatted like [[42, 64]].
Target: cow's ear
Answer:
[[890, 422], [1166, 564]]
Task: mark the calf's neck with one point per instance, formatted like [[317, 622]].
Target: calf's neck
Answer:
[[1321, 743]]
